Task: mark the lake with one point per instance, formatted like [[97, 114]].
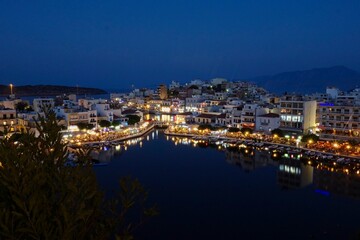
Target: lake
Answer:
[[206, 193]]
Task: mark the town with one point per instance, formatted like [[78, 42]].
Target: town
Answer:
[[332, 116]]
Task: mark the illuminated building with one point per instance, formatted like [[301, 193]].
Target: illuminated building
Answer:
[[267, 122], [297, 114], [162, 91], [8, 119], [340, 121]]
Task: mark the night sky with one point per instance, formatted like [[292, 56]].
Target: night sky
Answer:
[[114, 44]]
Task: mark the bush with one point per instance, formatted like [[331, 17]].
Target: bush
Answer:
[[104, 123], [246, 130], [83, 126], [234, 130], [205, 126], [133, 119], [278, 132], [310, 137]]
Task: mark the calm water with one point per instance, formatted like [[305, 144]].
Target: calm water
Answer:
[[204, 193]]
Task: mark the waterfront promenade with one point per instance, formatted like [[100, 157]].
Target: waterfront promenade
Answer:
[[108, 137], [268, 141]]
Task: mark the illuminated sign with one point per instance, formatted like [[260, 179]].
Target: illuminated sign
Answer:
[[326, 104]]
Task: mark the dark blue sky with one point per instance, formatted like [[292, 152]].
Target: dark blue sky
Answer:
[[113, 44]]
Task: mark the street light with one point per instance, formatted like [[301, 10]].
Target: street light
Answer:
[[11, 89]]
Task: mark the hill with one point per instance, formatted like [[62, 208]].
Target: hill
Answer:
[[48, 90], [310, 81]]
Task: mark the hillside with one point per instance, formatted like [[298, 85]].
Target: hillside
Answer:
[[310, 81], [48, 90]]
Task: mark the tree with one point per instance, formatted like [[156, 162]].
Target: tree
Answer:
[[133, 119], [85, 126], [23, 106], [234, 130], [42, 198], [115, 123], [246, 130], [310, 138], [104, 123], [278, 132], [205, 126]]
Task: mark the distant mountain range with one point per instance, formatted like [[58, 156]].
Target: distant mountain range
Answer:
[[48, 90], [310, 81]]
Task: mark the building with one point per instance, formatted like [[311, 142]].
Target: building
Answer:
[[41, 104], [162, 91], [297, 114], [104, 112], [248, 116], [8, 120], [267, 122], [11, 103], [339, 121], [89, 102], [173, 85], [72, 116], [207, 118]]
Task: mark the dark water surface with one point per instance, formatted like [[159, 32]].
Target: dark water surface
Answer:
[[204, 193]]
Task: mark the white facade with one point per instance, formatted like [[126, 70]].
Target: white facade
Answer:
[[296, 114], [11, 103], [103, 110], [88, 103], [267, 122], [73, 116], [216, 81], [174, 85], [39, 104]]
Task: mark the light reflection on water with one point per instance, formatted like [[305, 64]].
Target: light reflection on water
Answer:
[[293, 171], [197, 187]]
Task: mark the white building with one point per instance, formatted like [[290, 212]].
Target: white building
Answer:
[[216, 81], [297, 114], [11, 103], [74, 116], [39, 104], [267, 122], [88, 103], [174, 85]]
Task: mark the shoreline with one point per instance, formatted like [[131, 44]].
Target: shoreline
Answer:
[[265, 142], [140, 134]]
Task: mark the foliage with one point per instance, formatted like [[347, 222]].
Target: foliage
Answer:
[[246, 130], [310, 137], [193, 87], [42, 198], [205, 126], [83, 126], [233, 129], [104, 123], [115, 105], [278, 132], [23, 106], [353, 142], [174, 93], [115, 123], [133, 119]]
